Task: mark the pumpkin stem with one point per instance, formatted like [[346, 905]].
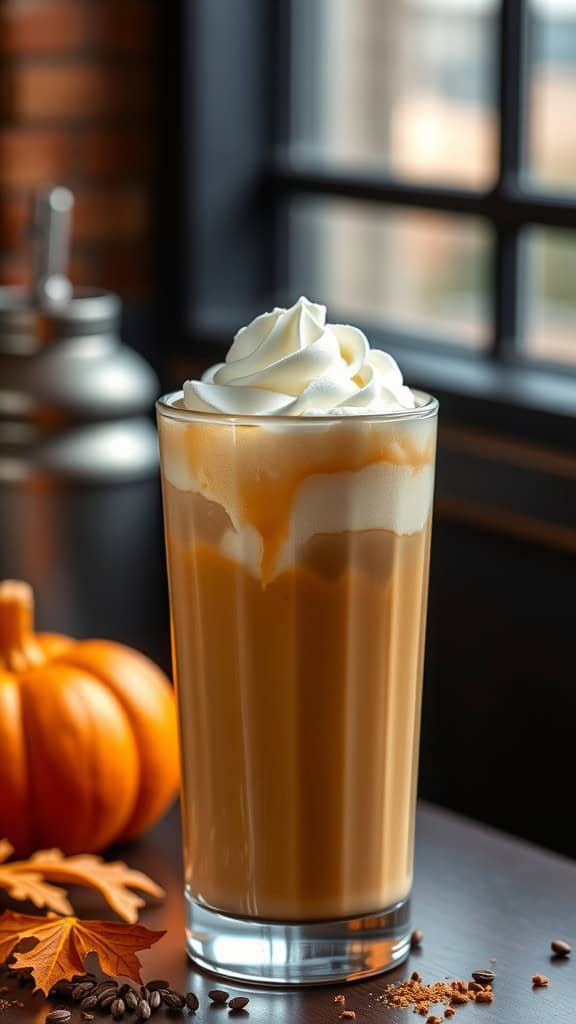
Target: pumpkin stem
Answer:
[[18, 646]]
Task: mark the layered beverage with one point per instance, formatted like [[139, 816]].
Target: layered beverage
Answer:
[[298, 482]]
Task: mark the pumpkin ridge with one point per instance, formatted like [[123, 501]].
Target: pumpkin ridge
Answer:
[[33, 830], [96, 808], [87, 653]]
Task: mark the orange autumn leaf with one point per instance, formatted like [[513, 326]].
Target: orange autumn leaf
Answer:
[[29, 880], [61, 945]]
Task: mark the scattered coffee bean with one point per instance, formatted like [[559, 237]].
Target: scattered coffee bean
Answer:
[[485, 996], [540, 980], [348, 1015], [173, 1000], [416, 938], [87, 1016], [157, 983], [58, 1017], [434, 1020], [131, 1000], [105, 1001], [155, 999], [118, 1007], [143, 1010], [145, 993], [415, 976], [560, 948], [105, 986], [239, 1002], [192, 1001], [340, 1000], [83, 988], [89, 1002], [218, 996], [483, 977], [449, 1011]]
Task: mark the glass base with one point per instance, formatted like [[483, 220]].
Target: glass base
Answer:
[[307, 953]]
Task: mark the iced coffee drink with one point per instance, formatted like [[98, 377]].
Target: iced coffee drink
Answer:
[[298, 482]]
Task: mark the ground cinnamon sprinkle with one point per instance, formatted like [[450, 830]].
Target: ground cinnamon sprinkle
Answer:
[[415, 993]]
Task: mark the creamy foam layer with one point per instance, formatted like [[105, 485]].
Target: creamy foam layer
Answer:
[[383, 495], [379, 497]]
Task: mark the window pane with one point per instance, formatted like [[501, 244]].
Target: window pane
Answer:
[[400, 85], [551, 278], [415, 271], [552, 123]]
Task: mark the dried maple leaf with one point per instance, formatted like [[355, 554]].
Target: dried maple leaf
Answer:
[[27, 880], [61, 944], [22, 882]]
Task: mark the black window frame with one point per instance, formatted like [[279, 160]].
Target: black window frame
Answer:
[[238, 181]]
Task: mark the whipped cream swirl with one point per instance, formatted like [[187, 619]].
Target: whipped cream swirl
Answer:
[[290, 362]]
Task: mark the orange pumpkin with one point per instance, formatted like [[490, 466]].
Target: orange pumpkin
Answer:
[[88, 738]]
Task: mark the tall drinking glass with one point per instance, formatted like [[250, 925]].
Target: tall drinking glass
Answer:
[[298, 554]]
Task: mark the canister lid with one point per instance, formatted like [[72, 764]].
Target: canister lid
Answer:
[[86, 311]]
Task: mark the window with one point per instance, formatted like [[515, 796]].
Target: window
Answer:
[[412, 163]]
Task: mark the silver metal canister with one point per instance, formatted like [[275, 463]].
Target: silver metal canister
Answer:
[[78, 450]]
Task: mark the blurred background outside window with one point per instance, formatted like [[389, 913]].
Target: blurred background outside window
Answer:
[[414, 94]]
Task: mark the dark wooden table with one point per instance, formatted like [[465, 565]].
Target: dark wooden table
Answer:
[[478, 895]]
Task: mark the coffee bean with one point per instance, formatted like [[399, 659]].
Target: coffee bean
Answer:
[[145, 993], [192, 1001], [155, 999], [131, 999], [124, 989], [105, 1002], [83, 988], [143, 1010], [58, 1017], [102, 986], [157, 983], [173, 1000], [118, 1007], [483, 977], [540, 980], [416, 938], [87, 1016], [239, 1002], [89, 1002], [218, 996], [560, 948]]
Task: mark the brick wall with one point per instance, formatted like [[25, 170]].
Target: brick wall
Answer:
[[77, 95]]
